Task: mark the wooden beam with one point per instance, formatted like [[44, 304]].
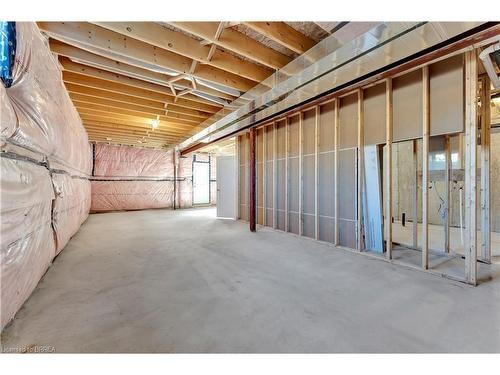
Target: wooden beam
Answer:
[[388, 167], [103, 114], [74, 55], [447, 167], [485, 253], [425, 167], [316, 172], [301, 173], [123, 98], [251, 181], [131, 51], [171, 117], [135, 108], [88, 116], [336, 172], [236, 42], [283, 34], [90, 71], [287, 174], [182, 44], [415, 194], [470, 248], [112, 127], [361, 171], [275, 175], [135, 92]]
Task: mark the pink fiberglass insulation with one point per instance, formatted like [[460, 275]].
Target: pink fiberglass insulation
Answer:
[[71, 206], [27, 239], [46, 161], [131, 195], [48, 122], [126, 161], [131, 178]]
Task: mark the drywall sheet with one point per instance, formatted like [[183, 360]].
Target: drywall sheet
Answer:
[[309, 198], [372, 200], [348, 121], [407, 106], [294, 139], [347, 197], [308, 132], [269, 193], [293, 195], [269, 158], [281, 139], [326, 138], [243, 176], [446, 88], [374, 114]]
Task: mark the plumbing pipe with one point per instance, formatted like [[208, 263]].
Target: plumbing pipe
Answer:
[[488, 65]]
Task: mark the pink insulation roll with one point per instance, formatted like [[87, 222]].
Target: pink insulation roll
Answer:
[[71, 206], [27, 239], [126, 161], [45, 149], [48, 122], [131, 195]]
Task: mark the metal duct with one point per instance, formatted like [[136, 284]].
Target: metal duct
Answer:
[[383, 45]]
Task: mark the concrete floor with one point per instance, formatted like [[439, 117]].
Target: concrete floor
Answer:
[[183, 281]]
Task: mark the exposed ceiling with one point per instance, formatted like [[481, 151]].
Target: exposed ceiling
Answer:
[[126, 77]]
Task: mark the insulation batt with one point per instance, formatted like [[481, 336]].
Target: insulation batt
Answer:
[[45, 163]]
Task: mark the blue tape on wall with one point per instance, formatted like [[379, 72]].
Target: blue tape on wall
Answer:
[[7, 51]]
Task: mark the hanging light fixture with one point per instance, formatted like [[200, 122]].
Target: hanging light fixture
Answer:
[[155, 123]]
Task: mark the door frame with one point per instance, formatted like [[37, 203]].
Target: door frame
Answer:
[[209, 181]]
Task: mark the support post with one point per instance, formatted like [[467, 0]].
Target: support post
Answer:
[[287, 174], [251, 180], [275, 175], [360, 174], [316, 174], [447, 167], [336, 173], [470, 248], [415, 194], [388, 167], [237, 177], [301, 172], [425, 167], [263, 184], [485, 254]]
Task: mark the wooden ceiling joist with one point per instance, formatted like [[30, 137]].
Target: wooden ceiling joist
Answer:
[[127, 99], [173, 117], [104, 115], [182, 44], [127, 50], [79, 98], [81, 57], [283, 34], [111, 127], [236, 42], [110, 122], [90, 71], [134, 91]]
